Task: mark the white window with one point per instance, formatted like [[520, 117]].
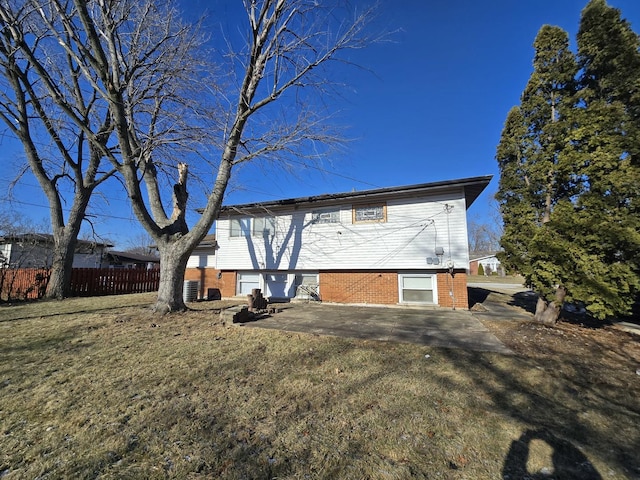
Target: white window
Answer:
[[247, 281], [240, 227], [264, 227], [369, 213], [417, 288], [326, 216]]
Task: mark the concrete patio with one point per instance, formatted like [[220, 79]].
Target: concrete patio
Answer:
[[427, 326]]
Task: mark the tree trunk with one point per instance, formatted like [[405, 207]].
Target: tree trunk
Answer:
[[59, 283], [549, 312], [173, 262]]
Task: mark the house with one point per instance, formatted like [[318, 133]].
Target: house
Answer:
[[402, 245], [201, 268], [35, 250], [117, 259], [490, 264]]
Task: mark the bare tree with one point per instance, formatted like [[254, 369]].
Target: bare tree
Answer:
[[141, 70], [483, 236], [42, 86], [13, 222], [144, 62], [143, 244]]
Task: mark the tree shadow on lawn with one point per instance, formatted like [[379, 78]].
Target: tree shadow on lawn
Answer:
[[564, 402], [527, 300]]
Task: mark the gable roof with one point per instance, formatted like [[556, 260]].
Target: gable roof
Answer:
[[132, 256], [472, 186], [476, 259], [46, 238], [482, 254], [208, 241]]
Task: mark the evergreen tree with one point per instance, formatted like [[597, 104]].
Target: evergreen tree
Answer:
[[519, 218], [535, 173], [480, 269], [578, 172], [607, 148]]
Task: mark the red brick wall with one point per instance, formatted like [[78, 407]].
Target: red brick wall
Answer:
[[361, 287], [473, 267], [459, 284], [208, 278], [379, 288]]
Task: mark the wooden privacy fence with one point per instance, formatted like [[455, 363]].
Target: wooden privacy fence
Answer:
[[31, 283], [23, 283], [88, 282]]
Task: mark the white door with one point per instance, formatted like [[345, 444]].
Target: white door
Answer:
[[277, 285]]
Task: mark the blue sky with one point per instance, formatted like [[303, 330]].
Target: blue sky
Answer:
[[431, 107]]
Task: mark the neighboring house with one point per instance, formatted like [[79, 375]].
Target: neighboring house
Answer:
[[400, 245], [130, 260], [490, 264], [35, 250]]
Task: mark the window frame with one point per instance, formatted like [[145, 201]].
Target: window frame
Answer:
[[433, 290], [243, 230], [334, 216], [257, 282], [266, 222], [382, 219]]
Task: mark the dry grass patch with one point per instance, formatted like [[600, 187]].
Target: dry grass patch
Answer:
[[119, 393]]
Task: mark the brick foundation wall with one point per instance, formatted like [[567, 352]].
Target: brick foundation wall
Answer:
[[208, 278], [459, 290], [379, 288]]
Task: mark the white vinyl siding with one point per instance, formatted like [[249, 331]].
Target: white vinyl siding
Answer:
[[202, 258], [406, 241], [5, 254]]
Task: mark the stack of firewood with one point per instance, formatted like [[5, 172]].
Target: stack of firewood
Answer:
[[256, 301]]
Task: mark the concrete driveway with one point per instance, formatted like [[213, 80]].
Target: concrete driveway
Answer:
[[434, 327]]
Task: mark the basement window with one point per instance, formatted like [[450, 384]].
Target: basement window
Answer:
[[417, 288]]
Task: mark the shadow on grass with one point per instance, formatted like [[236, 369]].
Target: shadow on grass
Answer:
[[569, 463], [527, 300], [46, 344], [584, 408]]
